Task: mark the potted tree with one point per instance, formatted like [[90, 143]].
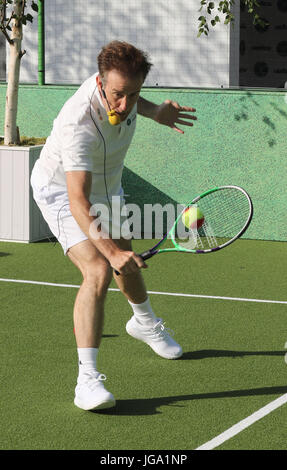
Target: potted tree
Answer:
[[20, 218]]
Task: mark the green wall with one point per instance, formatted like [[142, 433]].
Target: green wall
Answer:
[[239, 138]]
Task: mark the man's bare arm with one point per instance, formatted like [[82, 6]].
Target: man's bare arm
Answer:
[[79, 187]]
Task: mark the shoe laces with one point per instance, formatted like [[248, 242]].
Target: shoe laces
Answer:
[[95, 379], [161, 331]]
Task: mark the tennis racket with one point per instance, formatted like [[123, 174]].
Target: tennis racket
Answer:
[[227, 212]]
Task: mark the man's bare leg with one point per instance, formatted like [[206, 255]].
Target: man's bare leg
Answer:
[[131, 285], [89, 304], [144, 324], [90, 393]]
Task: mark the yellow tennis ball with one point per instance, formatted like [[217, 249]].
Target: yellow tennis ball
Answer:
[[192, 218], [114, 118]]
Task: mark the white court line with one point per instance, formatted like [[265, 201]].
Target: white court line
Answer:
[[198, 296], [245, 423], [237, 428]]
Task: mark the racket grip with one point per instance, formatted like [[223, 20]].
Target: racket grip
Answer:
[[146, 255]]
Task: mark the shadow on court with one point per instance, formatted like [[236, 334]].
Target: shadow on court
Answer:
[[149, 406], [209, 353]]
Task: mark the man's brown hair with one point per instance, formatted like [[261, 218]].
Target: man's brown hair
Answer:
[[125, 58]]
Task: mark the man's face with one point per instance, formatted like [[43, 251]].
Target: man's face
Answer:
[[122, 92]]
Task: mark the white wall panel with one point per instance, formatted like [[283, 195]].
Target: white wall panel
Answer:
[[166, 29]]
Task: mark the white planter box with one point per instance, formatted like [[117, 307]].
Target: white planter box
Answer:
[[20, 217]]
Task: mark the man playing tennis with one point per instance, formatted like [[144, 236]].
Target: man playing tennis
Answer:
[[81, 165]]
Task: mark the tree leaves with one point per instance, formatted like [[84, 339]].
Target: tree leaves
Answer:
[[7, 14], [34, 6], [224, 7]]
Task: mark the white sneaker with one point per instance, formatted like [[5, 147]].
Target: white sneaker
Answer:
[[90, 393], [157, 337]]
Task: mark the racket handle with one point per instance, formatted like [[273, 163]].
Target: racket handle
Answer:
[[147, 254]]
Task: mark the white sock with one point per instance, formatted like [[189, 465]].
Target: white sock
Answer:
[[144, 313], [87, 360]]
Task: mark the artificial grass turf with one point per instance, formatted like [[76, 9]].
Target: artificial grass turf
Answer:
[[233, 360], [248, 268]]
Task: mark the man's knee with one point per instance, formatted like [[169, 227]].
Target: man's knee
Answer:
[[95, 269], [97, 276]]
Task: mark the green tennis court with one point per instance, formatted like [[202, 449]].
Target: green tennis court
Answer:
[[228, 391]]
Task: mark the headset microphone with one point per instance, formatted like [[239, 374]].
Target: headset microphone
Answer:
[[114, 118]]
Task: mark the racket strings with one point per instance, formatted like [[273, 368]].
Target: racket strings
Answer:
[[225, 214]]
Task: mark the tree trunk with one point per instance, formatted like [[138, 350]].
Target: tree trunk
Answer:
[[11, 132]]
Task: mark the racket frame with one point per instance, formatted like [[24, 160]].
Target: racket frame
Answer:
[[177, 248]]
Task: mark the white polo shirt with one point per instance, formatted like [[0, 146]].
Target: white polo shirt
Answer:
[[83, 139]]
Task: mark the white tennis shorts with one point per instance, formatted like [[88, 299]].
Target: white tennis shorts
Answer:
[[53, 202]]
